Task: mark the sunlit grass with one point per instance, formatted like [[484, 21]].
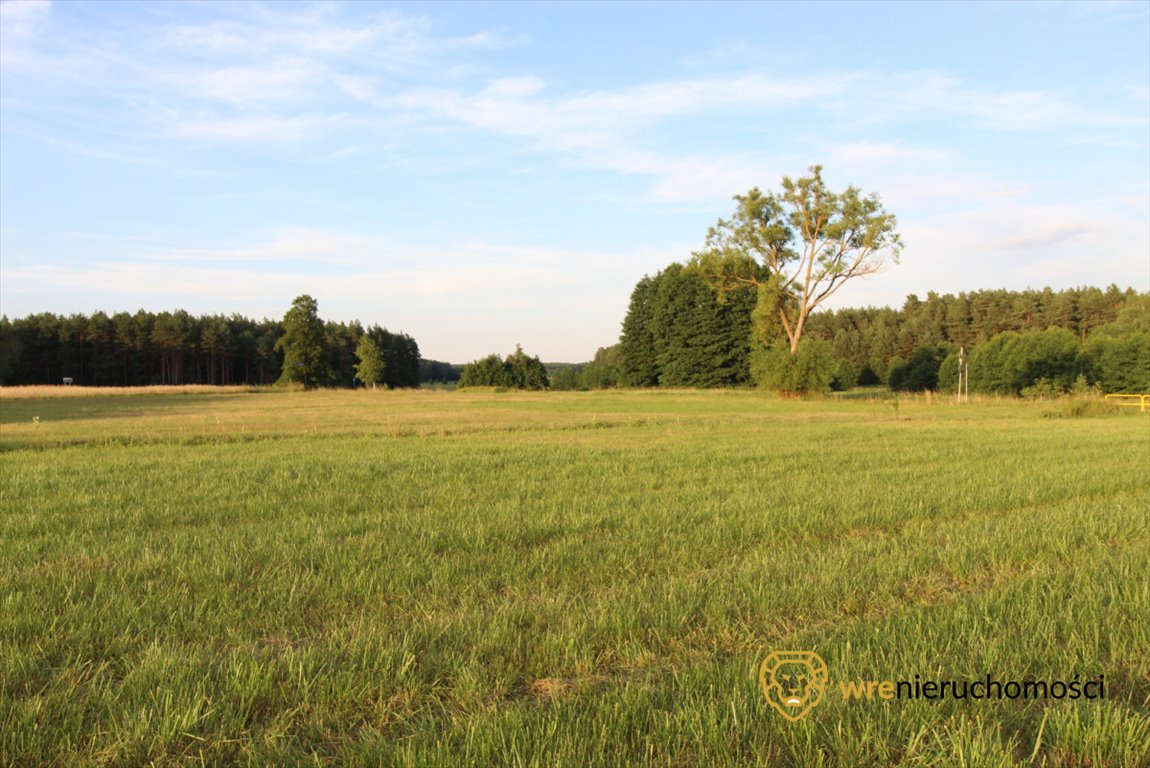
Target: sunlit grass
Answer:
[[432, 578]]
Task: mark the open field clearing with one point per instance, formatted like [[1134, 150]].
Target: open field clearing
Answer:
[[563, 579]]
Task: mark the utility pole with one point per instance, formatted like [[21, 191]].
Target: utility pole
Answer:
[[963, 376], [961, 357]]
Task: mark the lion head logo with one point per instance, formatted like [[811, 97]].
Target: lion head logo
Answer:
[[793, 681]]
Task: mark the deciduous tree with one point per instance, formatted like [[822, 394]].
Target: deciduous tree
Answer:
[[371, 367], [811, 241]]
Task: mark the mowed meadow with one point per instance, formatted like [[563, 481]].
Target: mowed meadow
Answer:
[[230, 577]]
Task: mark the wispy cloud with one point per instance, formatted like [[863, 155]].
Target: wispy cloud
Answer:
[[265, 129], [21, 19], [611, 129], [491, 287], [290, 74], [1044, 236], [19, 23]]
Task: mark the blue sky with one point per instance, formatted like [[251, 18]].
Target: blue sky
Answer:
[[481, 175]]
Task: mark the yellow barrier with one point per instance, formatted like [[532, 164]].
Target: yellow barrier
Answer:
[[1141, 401]]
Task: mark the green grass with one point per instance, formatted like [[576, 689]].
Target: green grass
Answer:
[[561, 579]]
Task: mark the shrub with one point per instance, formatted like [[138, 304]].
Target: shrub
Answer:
[[1043, 389], [921, 372], [810, 369], [518, 371], [1119, 362], [1012, 361], [845, 376], [1080, 408]]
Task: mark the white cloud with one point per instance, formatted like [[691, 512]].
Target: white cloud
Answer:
[[284, 80], [266, 129], [23, 18], [561, 303], [610, 129], [20, 23], [868, 154]]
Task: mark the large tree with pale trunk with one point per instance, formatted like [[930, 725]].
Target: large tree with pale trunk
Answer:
[[371, 366], [811, 241]]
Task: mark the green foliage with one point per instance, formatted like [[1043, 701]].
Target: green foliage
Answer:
[[526, 372], [518, 371], [670, 325], [920, 373], [1043, 389], [486, 372], [145, 348], [371, 366], [948, 373], [680, 333], [401, 354], [771, 304], [9, 350], [1012, 361], [603, 371], [811, 368], [873, 337], [1119, 360], [845, 376], [639, 366], [1080, 407], [437, 371], [809, 239], [302, 344], [566, 379]]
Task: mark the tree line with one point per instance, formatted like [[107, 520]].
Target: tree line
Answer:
[[143, 348], [680, 331]]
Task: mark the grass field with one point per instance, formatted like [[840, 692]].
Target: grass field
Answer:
[[562, 579]]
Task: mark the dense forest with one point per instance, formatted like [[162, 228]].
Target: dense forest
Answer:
[[178, 348], [679, 331]]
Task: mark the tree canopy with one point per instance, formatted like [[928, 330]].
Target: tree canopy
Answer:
[[174, 347], [678, 332], [810, 240], [1104, 336], [303, 345], [371, 366], [518, 371]]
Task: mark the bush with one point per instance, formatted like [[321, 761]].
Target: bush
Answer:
[[518, 371], [603, 371], [1081, 408], [488, 371], [846, 377], [810, 369], [921, 372], [868, 377], [1043, 389], [566, 378], [1010, 361], [948, 374], [1120, 362]]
